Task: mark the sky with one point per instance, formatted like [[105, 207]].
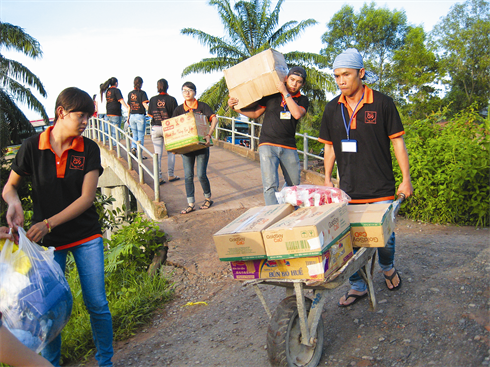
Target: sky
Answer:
[[86, 42]]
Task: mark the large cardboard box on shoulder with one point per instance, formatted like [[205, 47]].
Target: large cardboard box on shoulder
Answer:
[[311, 267], [185, 133], [256, 77], [371, 224], [242, 238], [306, 232]]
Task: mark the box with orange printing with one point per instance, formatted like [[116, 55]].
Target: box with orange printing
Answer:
[[306, 232], [311, 267], [242, 238], [185, 133], [371, 224]]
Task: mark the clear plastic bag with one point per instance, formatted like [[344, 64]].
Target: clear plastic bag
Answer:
[[35, 298], [311, 195]]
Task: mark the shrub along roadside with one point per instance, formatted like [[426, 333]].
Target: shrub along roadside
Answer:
[[449, 165]]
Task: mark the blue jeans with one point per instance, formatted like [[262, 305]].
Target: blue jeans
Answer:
[[200, 158], [115, 120], [271, 157], [137, 123], [89, 258], [157, 139], [386, 259]]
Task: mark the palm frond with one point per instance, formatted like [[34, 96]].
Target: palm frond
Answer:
[[14, 37]]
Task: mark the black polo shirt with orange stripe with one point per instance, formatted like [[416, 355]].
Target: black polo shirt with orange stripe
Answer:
[[136, 98], [276, 131], [57, 183], [196, 107], [366, 176], [113, 98], [161, 107]]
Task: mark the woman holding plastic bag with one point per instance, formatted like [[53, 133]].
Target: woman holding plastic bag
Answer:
[[64, 167]]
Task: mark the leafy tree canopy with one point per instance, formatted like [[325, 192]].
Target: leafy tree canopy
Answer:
[[463, 42], [251, 27], [15, 80]]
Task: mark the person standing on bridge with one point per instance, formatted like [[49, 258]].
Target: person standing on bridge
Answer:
[[138, 105], [65, 167], [358, 127], [162, 107], [200, 156], [277, 142], [114, 100]]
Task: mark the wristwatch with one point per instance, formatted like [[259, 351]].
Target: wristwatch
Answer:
[[287, 96]]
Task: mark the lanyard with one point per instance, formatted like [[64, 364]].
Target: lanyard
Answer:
[[347, 128]]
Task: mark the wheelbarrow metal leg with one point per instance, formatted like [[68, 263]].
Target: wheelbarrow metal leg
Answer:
[[303, 318], [262, 299], [366, 273], [316, 309]]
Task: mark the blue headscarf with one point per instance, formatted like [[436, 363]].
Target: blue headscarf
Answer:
[[352, 59]]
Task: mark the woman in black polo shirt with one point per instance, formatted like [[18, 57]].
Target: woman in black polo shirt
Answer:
[[199, 157], [64, 167]]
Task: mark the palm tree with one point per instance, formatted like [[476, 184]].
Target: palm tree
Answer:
[[251, 29], [13, 80]]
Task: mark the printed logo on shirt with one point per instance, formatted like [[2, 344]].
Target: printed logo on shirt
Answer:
[[133, 97], [370, 117], [77, 162], [161, 104]]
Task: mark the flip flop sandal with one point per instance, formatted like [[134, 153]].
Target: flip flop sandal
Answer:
[[187, 210], [207, 204], [390, 278], [356, 297], [162, 182], [173, 178]]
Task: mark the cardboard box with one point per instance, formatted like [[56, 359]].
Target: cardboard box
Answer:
[[312, 267], [256, 77], [371, 224], [242, 238], [185, 133], [306, 232]]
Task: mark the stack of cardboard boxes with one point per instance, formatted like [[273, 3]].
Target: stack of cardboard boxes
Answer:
[[276, 242]]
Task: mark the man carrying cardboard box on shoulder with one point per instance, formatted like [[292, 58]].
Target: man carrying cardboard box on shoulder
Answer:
[[277, 143], [357, 129]]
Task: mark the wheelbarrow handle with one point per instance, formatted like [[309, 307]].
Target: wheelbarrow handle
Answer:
[[397, 204]]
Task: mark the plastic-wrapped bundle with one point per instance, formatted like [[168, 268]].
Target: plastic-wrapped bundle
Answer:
[[35, 298], [311, 195]]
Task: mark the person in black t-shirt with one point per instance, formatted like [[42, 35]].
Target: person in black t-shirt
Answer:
[[277, 143], [358, 128], [138, 104], [162, 107], [199, 157], [114, 100], [64, 167]]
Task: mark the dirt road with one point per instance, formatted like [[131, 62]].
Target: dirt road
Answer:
[[440, 316]]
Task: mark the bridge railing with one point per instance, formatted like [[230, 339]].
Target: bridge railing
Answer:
[[101, 130], [254, 140]]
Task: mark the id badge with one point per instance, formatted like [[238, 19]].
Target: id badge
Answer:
[[349, 146], [285, 115]]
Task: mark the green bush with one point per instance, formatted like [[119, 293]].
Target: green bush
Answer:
[[449, 165], [133, 296]]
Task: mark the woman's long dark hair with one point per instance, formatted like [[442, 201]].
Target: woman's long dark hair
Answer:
[[74, 100], [104, 86], [138, 82], [162, 86]]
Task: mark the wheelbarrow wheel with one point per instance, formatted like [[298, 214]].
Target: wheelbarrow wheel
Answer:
[[284, 337]]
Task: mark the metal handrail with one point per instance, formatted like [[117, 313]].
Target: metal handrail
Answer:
[[95, 131], [222, 120]]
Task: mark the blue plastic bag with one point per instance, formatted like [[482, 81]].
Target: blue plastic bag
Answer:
[[35, 298]]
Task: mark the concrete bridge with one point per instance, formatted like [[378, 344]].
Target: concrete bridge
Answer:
[[233, 170]]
